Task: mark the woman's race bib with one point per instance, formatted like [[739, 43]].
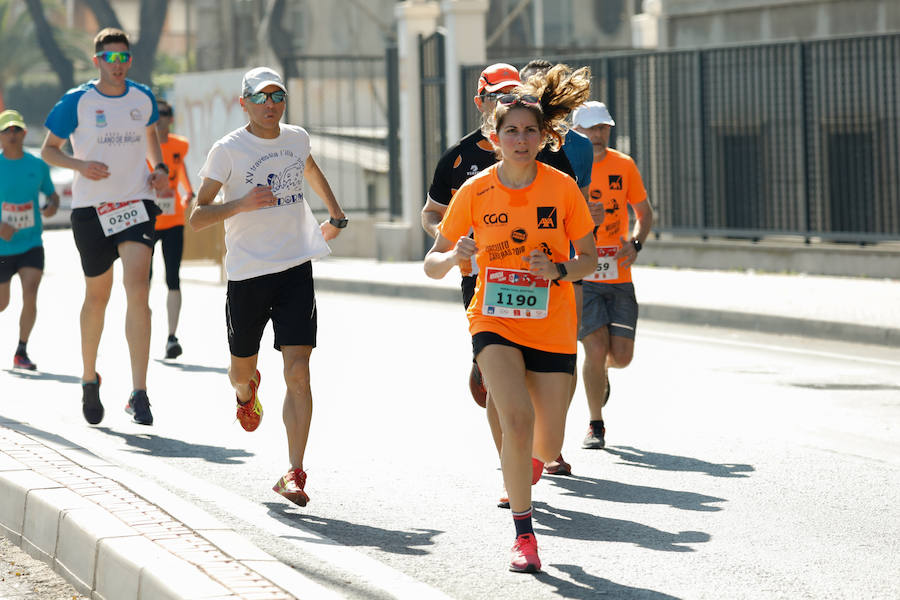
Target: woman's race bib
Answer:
[[515, 293]]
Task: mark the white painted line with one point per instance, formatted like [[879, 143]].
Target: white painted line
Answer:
[[757, 346]]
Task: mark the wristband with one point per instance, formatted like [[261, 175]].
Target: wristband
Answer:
[[162, 166]]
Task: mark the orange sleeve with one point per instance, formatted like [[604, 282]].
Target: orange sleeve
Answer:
[[458, 219], [578, 216], [636, 191]]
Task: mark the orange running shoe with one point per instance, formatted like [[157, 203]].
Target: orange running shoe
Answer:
[[291, 486], [524, 555], [250, 412]]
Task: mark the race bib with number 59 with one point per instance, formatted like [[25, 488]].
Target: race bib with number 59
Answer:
[[607, 265]]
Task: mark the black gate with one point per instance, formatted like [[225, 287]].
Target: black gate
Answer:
[[434, 110]]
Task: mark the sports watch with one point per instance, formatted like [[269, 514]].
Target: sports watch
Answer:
[[637, 244], [561, 267], [339, 223], [162, 166]]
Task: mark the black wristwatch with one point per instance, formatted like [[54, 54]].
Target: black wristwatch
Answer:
[[637, 244], [561, 267], [339, 223], [162, 166]]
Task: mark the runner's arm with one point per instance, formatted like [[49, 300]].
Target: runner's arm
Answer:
[[52, 205], [581, 266], [159, 179], [320, 186], [444, 255], [432, 215], [643, 222], [52, 153], [205, 213]]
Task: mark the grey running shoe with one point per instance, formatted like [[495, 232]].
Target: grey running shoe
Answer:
[[173, 348], [595, 438], [91, 407], [139, 408]]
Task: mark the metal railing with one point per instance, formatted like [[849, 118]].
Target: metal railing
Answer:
[[799, 138]]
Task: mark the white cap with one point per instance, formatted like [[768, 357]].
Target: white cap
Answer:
[[592, 113], [258, 78]]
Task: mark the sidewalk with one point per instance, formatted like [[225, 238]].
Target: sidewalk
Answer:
[[120, 537], [839, 308]]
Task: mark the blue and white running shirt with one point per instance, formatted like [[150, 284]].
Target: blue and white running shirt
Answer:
[[111, 130]]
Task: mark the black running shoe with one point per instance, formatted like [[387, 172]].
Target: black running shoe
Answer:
[[596, 436], [173, 348], [139, 408], [91, 407]]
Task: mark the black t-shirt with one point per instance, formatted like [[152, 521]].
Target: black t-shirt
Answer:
[[473, 154]]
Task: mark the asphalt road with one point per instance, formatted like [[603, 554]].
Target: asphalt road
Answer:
[[739, 465]]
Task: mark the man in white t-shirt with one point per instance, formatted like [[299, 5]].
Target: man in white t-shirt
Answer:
[[110, 122], [270, 238]]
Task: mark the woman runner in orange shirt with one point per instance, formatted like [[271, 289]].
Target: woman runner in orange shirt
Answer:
[[522, 318]]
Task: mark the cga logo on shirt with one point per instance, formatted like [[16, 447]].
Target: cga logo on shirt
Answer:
[[495, 219], [100, 118]]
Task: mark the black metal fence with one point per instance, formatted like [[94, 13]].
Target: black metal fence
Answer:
[[434, 111], [348, 105], [795, 138]]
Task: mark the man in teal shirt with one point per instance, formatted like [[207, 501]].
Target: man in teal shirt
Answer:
[[22, 176]]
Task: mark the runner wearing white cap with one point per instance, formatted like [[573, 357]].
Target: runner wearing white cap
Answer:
[[610, 309]]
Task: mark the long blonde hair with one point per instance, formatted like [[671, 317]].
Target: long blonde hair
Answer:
[[560, 90]]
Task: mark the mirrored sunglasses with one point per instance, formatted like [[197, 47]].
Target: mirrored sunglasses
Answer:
[[114, 57], [260, 97], [512, 99], [13, 129]]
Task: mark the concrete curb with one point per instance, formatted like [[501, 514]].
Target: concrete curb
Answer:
[[116, 536], [829, 330]]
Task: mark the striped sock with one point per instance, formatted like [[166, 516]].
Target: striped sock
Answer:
[[522, 521]]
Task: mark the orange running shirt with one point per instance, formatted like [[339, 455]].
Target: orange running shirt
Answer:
[[174, 151], [616, 182], [508, 225]]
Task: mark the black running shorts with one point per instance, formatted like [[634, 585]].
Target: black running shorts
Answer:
[[99, 252], [10, 265], [288, 298], [538, 361]]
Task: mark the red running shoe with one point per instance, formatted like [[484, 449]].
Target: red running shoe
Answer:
[[558, 467], [250, 413], [21, 361], [476, 386], [291, 486], [537, 468], [524, 555]]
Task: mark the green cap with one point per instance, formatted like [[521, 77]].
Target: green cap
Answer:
[[10, 118]]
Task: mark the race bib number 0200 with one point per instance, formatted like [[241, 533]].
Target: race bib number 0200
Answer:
[[514, 293], [119, 216], [19, 216], [607, 265]]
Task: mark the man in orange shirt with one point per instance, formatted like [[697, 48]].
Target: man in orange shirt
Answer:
[[170, 224], [610, 309]]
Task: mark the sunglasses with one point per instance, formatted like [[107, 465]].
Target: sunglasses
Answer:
[[165, 113], [513, 99], [114, 57], [13, 129], [260, 97]]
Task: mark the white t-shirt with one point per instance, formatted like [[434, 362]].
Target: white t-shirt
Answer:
[[111, 130], [274, 239]]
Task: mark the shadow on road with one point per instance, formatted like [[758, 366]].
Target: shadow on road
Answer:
[[585, 526], [189, 368], [614, 491], [354, 534], [43, 376], [157, 445], [670, 462], [585, 585]]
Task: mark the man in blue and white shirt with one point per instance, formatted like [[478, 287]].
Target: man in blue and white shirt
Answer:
[[110, 124]]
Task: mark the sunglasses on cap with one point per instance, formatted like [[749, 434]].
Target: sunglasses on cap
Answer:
[[114, 57], [260, 97], [513, 99]]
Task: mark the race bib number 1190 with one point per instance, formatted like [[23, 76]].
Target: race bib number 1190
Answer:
[[515, 294]]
